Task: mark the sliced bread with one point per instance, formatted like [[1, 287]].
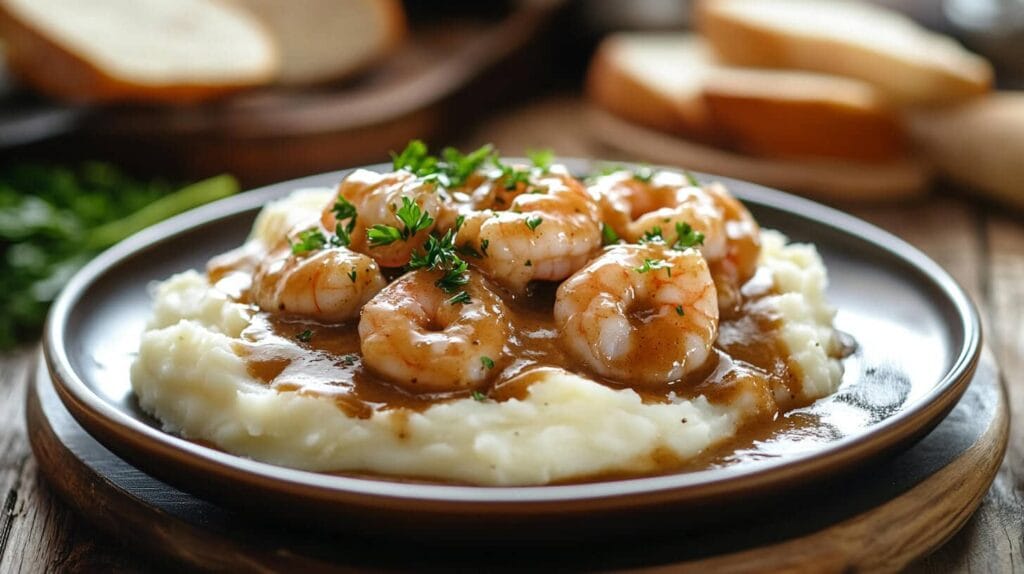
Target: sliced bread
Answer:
[[136, 50], [672, 83], [909, 64], [326, 40], [654, 80]]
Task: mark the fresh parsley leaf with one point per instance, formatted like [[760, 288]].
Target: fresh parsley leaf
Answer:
[[311, 239], [608, 235], [413, 218], [305, 336], [484, 243], [653, 264], [510, 176], [478, 396], [457, 167], [487, 362], [352, 275], [541, 158], [686, 237], [341, 237], [460, 297], [458, 222], [344, 209], [454, 277], [679, 310], [415, 159], [534, 221], [652, 235], [691, 178], [380, 235]]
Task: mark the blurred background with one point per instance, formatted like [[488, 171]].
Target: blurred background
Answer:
[[115, 114]]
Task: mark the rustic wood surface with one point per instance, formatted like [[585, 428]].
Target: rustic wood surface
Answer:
[[980, 245]]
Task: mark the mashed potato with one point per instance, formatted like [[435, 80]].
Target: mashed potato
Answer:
[[189, 376]]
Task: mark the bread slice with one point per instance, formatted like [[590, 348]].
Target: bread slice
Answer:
[[979, 144], [671, 82], [325, 40], [829, 180], [784, 114], [908, 63], [654, 80], [136, 50]]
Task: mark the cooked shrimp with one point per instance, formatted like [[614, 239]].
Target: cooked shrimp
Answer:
[[643, 315], [743, 241], [414, 334], [328, 285], [636, 209], [377, 197], [546, 234]]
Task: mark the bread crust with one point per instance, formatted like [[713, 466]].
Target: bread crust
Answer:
[[744, 43], [54, 69]]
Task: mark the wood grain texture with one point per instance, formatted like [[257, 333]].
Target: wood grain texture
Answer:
[[982, 248]]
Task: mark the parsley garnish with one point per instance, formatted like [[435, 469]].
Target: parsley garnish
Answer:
[[483, 246], [691, 178], [652, 235], [308, 240], [679, 310], [643, 173], [413, 219], [487, 362], [534, 221], [608, 235], [652, 264], [686, 237], [452, 170], [541, 158], [343, 209], [305, 336], [529, 263], [460, 297], [352, 275], [437, 252], [454, 277], [478, 396], [349, 359], [510, 176]]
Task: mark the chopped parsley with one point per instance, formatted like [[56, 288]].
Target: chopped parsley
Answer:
[[458, 222], [343, 210], [487, 362], [413, 220], [653, 264], [352, 275], [534, 221], [679, 310], [608, 235], [541, 158], [349, 360], [451, 170], [510, 176], [483, 246], [305, 336], [652, 235], [478, 396], [309, 240], [460, 297], [691, 178], [686, 237], [529, 263]]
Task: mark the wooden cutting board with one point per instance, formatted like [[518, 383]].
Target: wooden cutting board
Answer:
[[878, 518], [448, 73]]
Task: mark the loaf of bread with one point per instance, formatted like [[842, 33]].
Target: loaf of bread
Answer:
[[672, 83], [979, 144], [327, 40], [136, 50], [911, 65]]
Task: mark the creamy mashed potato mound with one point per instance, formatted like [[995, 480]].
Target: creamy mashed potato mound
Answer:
[[190, 377]]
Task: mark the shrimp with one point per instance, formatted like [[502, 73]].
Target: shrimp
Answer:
[[377, 197], [637, 209], [642, 315], [328, 285], [545, 234], [413, 334]]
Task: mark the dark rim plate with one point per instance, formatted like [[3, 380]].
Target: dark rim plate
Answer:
[[919, 336]]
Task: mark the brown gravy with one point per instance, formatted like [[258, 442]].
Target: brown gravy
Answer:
[[295, 355]]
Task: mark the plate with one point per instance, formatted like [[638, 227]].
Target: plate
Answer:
[[918, 334]]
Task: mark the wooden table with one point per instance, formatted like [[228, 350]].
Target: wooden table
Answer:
[[982, 246]]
